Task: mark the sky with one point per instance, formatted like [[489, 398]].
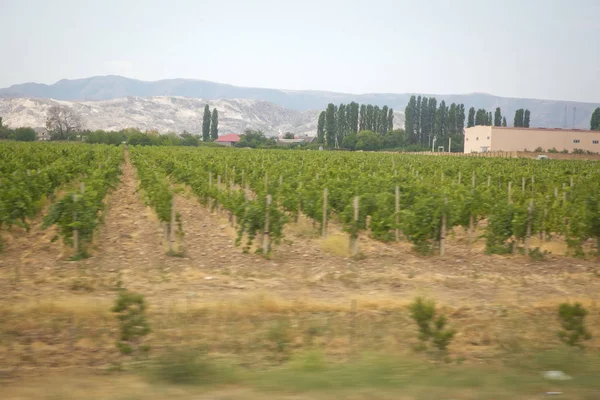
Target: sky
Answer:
[[547, 49]]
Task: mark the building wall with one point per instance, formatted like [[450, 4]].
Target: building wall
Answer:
[[478, 137], [519, 139]]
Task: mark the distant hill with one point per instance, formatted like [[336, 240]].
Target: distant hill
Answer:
[[168, 113], [544, 113]]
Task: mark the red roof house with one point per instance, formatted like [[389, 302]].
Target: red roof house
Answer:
[[228, 140]]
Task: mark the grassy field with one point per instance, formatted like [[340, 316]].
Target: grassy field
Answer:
[[310, 322]]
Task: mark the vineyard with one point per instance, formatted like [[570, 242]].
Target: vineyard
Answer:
[[387, 197], [30, 173], [255, 256]]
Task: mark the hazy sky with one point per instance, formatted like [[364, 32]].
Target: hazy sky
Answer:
[[520, 48]]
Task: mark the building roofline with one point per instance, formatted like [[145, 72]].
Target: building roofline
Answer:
[[545, 129]]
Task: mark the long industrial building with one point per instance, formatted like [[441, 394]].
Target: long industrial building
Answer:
[[481, 138]]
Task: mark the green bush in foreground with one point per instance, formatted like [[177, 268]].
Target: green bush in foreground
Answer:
[[572, 318], [131, 312], [431, 328]]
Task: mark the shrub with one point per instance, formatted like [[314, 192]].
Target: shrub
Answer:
[[539, 149], [130, 308], [553, 150], [187, 367], [572, 318], [430, 328]]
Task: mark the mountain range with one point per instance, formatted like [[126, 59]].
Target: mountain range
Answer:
[[295, 107]]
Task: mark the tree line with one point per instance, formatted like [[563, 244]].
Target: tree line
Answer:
[[24, 134], [483, 117], [425, 120], [342, 123]]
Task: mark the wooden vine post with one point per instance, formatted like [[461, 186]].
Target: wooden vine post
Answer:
[[324, 220], [172, 225], [266, 242], [299, 202], [397, 212], [210, 200], [232, 218], [471, 219], [75, 230], [354, 235], [443, 230], [529, 222], [509, 188], [489, 180], [218, 194]]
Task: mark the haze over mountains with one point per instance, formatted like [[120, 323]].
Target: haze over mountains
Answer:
[[272, 110]]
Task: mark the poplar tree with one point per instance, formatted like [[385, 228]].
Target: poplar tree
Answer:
[[321, 128], [390, 120], [362, 123], [206, 124], [471, 120], [353, 117], [526, 119], [504, 121], [418, 127], [330, 129], [369, 123], [214, 125], [409, 119], [498, 117], [383, 124]]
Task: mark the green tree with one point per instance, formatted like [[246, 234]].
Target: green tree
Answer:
[[321, 128], [519, 120], [409, 119], [441, 121], [206, 124], [255, 139], [498, 117], [368, 141], [504, 121], [460, 119], [187, 139], [330, 128], [349, 141], [481, 117], [25, 134], [340, 124], [370, 117], [288, 135], [383, 120], [375, 121], [423, 115], [353, 117], [431, 116], [452, 120], [417, 118], [489, 119], [471, 120], [362, 124], [214, 125], [390, 120], [526, 118], [594, 121]]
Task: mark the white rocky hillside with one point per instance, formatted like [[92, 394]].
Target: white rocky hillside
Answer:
[[168, 113]]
